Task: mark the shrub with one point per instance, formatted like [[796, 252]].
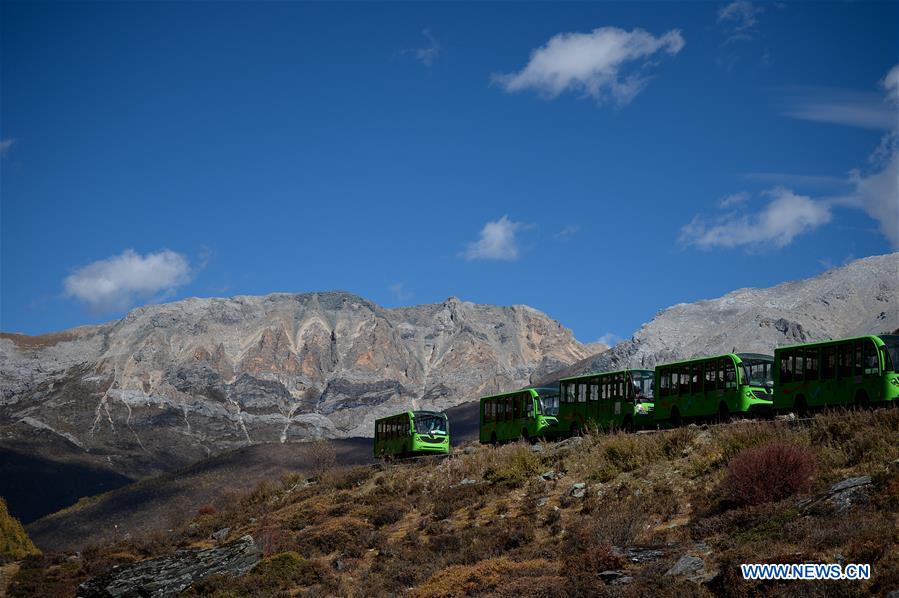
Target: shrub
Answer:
[[322, 458], [387, 514], [769, 473], [287, 569], [206, 510], [513, 465], [483, 577]]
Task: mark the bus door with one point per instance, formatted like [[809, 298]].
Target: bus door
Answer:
[[845, 375], [604, 406], [593, 400], [580, 406]]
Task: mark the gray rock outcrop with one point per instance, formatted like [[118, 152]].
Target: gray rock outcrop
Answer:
[[174, 573], [169, 384]]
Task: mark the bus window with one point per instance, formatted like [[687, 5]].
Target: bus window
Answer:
[[857, 362], [870, 358], [663, 383], [844, 363], [828, 362], [811, 364], [798, 365], [683, 384], [569, 393], [730, 374], [786, 367], [582, 392], [594, 389], [711, 369]]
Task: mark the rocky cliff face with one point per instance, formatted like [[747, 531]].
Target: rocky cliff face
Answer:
[[169, 384], [859, 298]]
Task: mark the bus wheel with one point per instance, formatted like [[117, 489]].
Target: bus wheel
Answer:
[[493, 440], [861, 400], [675, 417], [800, 406], [526, 437], [723, 414], [574, 431], [628, 424]]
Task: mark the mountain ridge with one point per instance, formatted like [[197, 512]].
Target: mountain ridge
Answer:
[[857, 298]]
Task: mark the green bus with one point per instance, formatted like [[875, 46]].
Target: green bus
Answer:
[[850, 371], [412, 433], [714, 386], [620, 399], [527, 414]]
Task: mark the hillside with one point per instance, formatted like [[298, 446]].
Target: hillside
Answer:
[[170, 384], [861, 297], [14, 542], [156, 504], [669, 513]]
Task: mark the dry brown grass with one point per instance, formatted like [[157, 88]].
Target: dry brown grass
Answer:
[[413, 527]]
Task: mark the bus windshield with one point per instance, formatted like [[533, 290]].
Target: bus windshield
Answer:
[[548, 402], [430, 423], [758, 371], [643, 385], [892, 355]]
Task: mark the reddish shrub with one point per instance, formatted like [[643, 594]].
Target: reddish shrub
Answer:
[[206, 510], [769, 473]]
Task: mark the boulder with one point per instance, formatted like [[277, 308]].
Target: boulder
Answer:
[[173, 573], [840, 497]]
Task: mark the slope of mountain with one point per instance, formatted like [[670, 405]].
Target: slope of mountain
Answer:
[[859, 298], [170, 384]]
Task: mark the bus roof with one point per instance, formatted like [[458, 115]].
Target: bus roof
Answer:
[[874, 337], [512, 392], [414, 413], [594, 374], [734, 356], [755, 356], [418, 412]]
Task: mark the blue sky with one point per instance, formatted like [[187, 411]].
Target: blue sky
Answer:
[[596, 161]]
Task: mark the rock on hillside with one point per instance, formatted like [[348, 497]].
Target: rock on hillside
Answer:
[[169, 384], [859, 298]]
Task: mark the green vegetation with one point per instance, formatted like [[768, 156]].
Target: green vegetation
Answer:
[[547, 519], [14, 542]]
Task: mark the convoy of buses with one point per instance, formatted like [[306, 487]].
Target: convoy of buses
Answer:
[[854, 371]]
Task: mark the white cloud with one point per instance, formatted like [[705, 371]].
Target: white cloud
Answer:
[[891, 84], [5, 145], [609, 339], [741, 14], [785, 217], [399, 291], [429, 54], [591, 63], [497, 242], [878, 194], [568, 232], [735, 199], [117, 282], [866, 110]]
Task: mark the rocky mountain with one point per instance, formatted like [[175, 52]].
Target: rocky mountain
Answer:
[[861, 297], [170, 384]]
